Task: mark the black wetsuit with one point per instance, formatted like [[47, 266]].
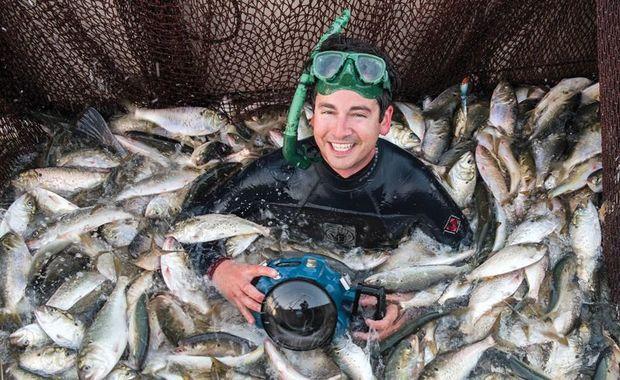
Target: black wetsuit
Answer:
[[374, 208]]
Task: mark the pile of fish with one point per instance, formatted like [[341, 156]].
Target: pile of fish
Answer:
[[94, 281]]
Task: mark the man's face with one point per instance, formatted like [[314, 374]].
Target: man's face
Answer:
[[346, 128]]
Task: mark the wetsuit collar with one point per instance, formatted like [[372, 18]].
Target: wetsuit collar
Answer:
[[356, 180]]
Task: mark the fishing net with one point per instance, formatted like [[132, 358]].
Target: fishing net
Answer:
[[63, 55]]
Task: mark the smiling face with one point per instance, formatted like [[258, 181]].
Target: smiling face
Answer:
[[346, 128]]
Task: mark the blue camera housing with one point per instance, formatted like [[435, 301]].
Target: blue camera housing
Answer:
[[315, 269]]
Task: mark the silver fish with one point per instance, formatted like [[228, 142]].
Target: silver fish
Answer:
[[462, 180], [457, 364], [89, 158], [31, 335], [503, 109], [406, 361], [47, 361], [586, 238], [491, 174], [64, 329], [65, 182], [160, 183], [283, 368], [214, 227], [415, 278], [51, 203], [75, 289], [102, 349], [15, 263], [509, 259], [189, 121], [237, 244], [351, 359], [18, 215], [413, 118]]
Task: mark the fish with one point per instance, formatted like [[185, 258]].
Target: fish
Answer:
[[503, 108], [47, 361], [188, 121], [70, 226], [75, 289], [63, 328], [457, 364], [508, 259], [489, 170], [15, 264], [406, 361], [160, 183], [172, 319], [19, 214], [351, 359], [586, 238], [281, 365], [215, 344], [468, 123], [415, 278], [102, 349], [413, 118], [138, 330], [462, 180], [237, 244], [89, 158], [534, 229], [51, 203], [31, 335], [578, 177], [64, 181], [402, 137], [210, 227], [554, 106], [182, 281]]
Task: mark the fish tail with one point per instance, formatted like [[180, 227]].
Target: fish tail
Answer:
[[92, 124]]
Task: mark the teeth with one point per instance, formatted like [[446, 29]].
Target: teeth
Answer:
[[342, 147]]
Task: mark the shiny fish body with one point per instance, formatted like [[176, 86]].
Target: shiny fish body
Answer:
[[503, 109], [75, 289], [283, 368], [237, 244], [491, 174], [352, 359], [415, 278], [509, 259], [413, 118], [436, 139], [182, 281], [157, 184], [51, 203], [31, 335], [189, 121], [65, 182], [586, 238], [214, 227], [166, 205], [106, 338], [578, 177], [89, 158], [534, 230], [406, 361], [458, 364], [63, 328], [18, 215], [462, 180], [47, 361], [467, 124], [76, 223], [15, 263]]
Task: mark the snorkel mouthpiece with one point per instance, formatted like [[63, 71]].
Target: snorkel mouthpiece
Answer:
[[289, 149]]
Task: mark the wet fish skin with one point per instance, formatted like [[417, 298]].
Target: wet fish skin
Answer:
[[189, 121], [172, 319], [351, 359], [51, 203], [47, 361], [415, 278], [467, 124], [462, 180], [437, 138], [102, 350], [282, 366], [457, 364], [214, 227], [74, 289], [138, 331], [18, 215], [578, 177], [88, 158], [31, 335], [182, 281], [509, 259], [63, 328], [65, 182], [491, 174], [160, 183], [586, 238], [15, 264], [503, 108], [406, 361]]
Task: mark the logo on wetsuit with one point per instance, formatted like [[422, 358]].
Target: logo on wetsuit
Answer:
[[453, 225], [339, 234]]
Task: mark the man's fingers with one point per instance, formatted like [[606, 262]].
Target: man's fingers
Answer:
[[360, 335], [366, 300], [245, 312], [390, 316], [253, 293], [260, 270], [250, 303]]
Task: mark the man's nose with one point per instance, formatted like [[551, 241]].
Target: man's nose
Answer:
[[341, 128]]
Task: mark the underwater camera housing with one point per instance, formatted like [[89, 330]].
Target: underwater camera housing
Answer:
[[310, 303]]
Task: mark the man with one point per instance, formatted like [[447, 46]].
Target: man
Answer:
[[364, 192]]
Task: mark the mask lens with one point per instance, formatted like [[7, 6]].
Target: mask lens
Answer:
[[326, 65], [370, 68], [299, 315]]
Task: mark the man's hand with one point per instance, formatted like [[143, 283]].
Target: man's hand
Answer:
[[384, 327], [233, 280]]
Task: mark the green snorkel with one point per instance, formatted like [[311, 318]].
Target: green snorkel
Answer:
[[294, 156]]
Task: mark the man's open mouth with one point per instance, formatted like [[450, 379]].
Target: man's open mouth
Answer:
[[342, 147]]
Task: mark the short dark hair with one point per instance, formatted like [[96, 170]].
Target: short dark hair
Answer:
[[339, 42]]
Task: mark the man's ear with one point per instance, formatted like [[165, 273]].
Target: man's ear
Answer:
[[387, 121]]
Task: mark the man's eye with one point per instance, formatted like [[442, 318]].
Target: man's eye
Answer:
[[327, 112], [359, 115]]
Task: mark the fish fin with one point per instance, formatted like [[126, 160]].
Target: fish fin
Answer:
[[501, 344], [92, 124], [218, 369]]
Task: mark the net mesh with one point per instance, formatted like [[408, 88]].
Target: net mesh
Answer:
[[65, 55]]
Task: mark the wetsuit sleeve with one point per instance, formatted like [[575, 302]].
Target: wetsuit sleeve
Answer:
[[435, 212]]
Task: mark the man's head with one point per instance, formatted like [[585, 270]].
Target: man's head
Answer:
[[347, 123]]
